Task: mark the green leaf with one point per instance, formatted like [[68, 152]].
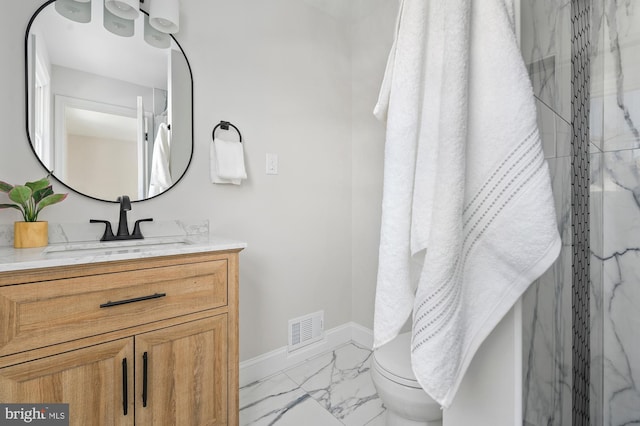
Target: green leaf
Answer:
[[5, 187], [38, 185], [14, 206], [48, 200], [10, 206], [21, 195], [31, 197], [42, 193]]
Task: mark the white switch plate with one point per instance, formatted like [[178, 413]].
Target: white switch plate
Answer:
[[272, 164]]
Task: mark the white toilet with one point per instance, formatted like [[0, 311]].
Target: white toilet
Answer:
[[407, 403]]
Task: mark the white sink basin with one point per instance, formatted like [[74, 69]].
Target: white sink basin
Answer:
[[114, 247]]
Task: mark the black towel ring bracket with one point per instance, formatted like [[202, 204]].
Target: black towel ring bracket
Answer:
[[224, 125]]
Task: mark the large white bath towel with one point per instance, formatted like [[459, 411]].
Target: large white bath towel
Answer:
[[467, 195]]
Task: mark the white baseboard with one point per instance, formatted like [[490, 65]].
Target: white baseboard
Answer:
[[270, 363], [361, 335]]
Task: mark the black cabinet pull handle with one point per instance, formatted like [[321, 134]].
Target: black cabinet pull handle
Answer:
[[144, 379], [135, 299], [125, 390]]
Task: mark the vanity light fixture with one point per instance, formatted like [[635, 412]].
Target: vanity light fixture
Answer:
[[119, 17], [164, 15], [75, 10], [154, 37], [125, 9], [117, 25]]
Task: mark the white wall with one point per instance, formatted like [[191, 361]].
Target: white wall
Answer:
[[110, 163], [178, 115], [491, 392], [280, 71], [82, 85]]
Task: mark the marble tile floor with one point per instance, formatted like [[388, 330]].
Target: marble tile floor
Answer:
[[331, 389]]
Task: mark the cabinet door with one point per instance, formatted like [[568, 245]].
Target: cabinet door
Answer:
[[186, 374], [94, 381]]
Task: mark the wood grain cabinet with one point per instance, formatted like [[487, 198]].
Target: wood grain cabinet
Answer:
[[140, 342]]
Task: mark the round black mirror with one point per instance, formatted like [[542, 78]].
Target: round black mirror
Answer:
[[109, 101]]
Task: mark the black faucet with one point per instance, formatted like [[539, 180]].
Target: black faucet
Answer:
[[123, 226], [125, 206]]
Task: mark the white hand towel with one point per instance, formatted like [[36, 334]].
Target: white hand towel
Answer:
[[160, 179], [480, 209], [227, 162]]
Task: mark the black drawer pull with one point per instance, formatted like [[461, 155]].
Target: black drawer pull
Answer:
[[144, 379], [135, 299], [125, 387]]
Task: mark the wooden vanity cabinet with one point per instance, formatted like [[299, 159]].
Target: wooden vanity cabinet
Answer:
[[155, 342], [186, 365], [90, 380]]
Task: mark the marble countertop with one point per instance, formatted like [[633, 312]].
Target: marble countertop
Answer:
[[64, 254]]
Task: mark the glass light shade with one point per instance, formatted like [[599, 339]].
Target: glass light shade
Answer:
[[154, 37], [78, 11], [164, 15], [118, 25], [125, 9]]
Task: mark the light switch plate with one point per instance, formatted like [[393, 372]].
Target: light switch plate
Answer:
[[272, 164]]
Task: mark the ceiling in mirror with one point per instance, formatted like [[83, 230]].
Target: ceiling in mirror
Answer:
[[109, 99]]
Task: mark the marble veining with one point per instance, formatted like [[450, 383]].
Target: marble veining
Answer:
[[545, 36], [621, 293], [334, 388], [278, 400], [546, 310], [596, 200], [60, 233], [164, 239], [545, 45], [621, 96]]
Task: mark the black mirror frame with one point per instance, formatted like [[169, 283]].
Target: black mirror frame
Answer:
[[26, 86]]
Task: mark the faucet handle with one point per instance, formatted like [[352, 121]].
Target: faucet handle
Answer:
[[108, 232], [136, 228]]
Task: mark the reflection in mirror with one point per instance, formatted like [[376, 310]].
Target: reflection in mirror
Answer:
[[107, 112]]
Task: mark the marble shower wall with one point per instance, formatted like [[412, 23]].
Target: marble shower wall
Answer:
[[546, 48], [620, 192], [596, 123], [547, 307], [614, 215]]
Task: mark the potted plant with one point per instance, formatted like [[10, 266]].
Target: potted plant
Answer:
[[30, 199]]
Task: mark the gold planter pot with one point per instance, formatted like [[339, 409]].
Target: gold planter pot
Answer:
[[30, 234]]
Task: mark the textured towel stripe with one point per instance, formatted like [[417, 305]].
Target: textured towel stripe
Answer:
[[444, 301], [523, 182], [525, 158], [436, 292], [514, 160], [532, 164], [527, 145], [445, 320], [441, 317], [447, 296], [498, 169]]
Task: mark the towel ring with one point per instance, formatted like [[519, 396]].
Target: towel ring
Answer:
[[224, 125]]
